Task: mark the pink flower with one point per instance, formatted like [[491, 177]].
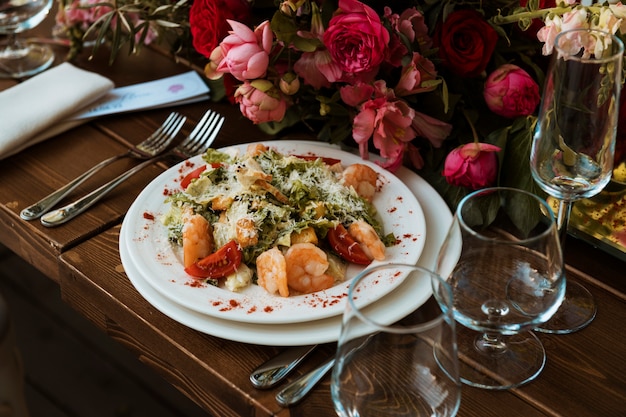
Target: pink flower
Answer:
[[260, 101], [510, 92], [355, 95], [411, 24], [356, 40], [473, 165], [317, 69], [245, 53], [430, 128], [414, 76], [79, 14], [576, 19], [389, 122]]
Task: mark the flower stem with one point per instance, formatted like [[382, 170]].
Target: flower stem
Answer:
[[533, 14]]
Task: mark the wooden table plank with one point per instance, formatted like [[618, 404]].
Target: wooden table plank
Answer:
[[583, 369]]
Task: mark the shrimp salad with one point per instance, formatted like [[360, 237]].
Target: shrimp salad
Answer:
[[289, 224]]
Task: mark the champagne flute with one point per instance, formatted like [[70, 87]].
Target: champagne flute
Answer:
[[503, 259], [22, 59], [574, 142], [408, 367]]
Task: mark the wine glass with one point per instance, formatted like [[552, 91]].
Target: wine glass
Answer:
[[574, 142], [21, 59], [397, 366], [503, 259]]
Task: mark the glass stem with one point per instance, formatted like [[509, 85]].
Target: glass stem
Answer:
[[562, 219]]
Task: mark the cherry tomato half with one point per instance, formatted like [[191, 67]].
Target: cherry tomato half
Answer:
[[345, 245], [326, 160], [196, 174], [192, 176], [219, 264]]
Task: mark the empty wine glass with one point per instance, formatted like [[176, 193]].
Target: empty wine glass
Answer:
[[574, 141], [389, 365], [503, 259], [17, 58]]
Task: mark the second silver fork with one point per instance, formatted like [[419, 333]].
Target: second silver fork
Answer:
[[156, 143], [198, 141]]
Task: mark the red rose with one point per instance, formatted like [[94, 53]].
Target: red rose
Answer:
[[207, 21], [466, 42]]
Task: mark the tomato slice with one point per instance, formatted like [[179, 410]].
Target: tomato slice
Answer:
[[196, 174], [192, 176], [326, 160], [219, 264], [345, 245]]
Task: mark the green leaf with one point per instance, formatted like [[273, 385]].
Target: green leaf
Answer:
[[524, 212]]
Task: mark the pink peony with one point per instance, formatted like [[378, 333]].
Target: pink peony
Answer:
[[260, 101], [510, 92], [356, 40], [244, 53], [474, 165]]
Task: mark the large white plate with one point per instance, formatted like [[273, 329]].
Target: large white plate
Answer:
[[408, 295], [160, 264]]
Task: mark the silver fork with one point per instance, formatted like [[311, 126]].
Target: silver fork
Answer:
[[198, 141], [153, 145]]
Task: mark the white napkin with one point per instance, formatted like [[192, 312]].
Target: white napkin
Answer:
[[35, 109]]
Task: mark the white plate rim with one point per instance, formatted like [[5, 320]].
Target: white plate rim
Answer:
[[254, 305]]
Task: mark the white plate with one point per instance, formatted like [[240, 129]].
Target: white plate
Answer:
[[160, 263], [410, 293]]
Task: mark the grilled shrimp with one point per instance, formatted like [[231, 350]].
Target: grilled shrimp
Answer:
[[271, 270], [368, 239], [197, 238], [362, 178], [306, 268]]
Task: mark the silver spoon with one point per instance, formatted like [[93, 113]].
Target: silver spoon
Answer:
[[276, 369], [298, 389]]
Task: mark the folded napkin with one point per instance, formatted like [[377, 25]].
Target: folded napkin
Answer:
[[35, 109]]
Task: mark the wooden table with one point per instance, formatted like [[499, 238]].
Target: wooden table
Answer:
[[585, 374]]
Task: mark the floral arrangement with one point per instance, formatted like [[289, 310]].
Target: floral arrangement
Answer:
[[450, 88]]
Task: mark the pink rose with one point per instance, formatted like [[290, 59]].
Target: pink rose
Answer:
[[244, 53], [356, 39], [260, 101], [511, 92], [473, 165]]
